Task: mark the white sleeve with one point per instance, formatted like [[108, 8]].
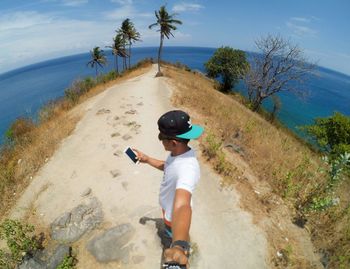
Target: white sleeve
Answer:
[[188, 176]]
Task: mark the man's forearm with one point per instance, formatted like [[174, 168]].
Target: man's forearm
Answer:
[[155, 163], [181, 222]]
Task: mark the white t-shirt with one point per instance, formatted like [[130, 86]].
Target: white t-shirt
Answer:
[[180, 172]]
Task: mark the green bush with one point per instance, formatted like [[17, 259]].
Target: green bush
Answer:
[[20, 241], [213, 145], [19, 130], [228, 64], [332, 134]]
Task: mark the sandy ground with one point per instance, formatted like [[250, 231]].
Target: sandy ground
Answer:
[[126, 114]]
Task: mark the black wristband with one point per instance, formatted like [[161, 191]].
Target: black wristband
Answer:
[[185, 246]]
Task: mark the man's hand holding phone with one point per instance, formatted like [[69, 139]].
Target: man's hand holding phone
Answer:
[[143, 158]]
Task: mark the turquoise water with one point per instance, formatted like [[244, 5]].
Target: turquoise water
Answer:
[[23, 91]]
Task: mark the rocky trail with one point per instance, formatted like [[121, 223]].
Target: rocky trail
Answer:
[[90, 196]]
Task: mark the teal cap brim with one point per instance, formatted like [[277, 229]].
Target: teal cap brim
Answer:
[[194, 133]]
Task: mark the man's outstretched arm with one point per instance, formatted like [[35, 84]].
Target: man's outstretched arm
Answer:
[[143, 158], [180, 225]]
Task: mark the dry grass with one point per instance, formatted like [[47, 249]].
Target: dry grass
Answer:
[[285, 163], [33, 144]]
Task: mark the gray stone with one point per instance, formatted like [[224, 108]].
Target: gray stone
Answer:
[[131, 111], [112, 245], [72, 225], [86, 192], [118, 153], [32, 264], [137, 259], [48, 258], [103, 111], [115, 134], [58, 256], [126, 137], [115, 173]]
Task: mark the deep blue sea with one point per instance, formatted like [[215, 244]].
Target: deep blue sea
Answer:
[[23, 91]]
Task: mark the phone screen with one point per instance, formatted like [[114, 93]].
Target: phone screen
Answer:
[[131, 155]]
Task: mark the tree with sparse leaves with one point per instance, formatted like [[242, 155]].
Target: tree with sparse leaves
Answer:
[[118, 49], [280, 66], [98, 59], [166, 23], [129, 34]]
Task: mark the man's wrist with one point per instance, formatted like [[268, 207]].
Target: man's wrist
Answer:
[[182, 245]]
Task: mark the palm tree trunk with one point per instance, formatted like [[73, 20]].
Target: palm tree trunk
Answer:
[[160, 52], [116, 63], [129, 53], [96, 70]]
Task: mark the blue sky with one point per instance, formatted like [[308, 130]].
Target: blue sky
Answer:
[[32, 31]]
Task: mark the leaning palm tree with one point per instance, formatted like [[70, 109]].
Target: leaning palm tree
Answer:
[[118, 49], [166, 24], [98, 58], [130, 34]]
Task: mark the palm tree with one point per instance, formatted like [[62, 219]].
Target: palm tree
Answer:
[[166, 23], [118, 49], [98, 58], [129, 33]]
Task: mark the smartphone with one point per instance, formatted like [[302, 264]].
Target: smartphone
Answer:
[[132, 155]]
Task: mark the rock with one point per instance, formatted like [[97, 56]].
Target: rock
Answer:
[[125, 185], [140, 104], [118, 153], [48, 258], [137, 259], [32, 263], [115, 173], [115, 134], [72, 225], [86, 192], [19, 161], [112, 244], [58, 256], [103, 111], [126, 137], [131, 111]]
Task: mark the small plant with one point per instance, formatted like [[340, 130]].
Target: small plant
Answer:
[[69, 262], [20, 240], [213, 145], [335, 171]]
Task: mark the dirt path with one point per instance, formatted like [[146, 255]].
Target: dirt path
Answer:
[[91, 161]]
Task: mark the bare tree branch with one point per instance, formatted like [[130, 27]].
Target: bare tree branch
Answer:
[[281, 66]]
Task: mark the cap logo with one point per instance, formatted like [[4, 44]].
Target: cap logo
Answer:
[[189, 123]]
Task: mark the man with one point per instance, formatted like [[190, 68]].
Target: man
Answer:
[[181, 174]]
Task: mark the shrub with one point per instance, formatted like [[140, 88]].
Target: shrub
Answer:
[[332, 134], [228, 64], [69, 262], [19, 130], [20, 240]]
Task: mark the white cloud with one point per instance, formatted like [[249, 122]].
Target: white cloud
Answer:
[[74, 3], [36, 37], [300, 19], [124, 12], [22, 19], [300, 26], [183, 7], [27, 37], [300, 30], [122, 2]]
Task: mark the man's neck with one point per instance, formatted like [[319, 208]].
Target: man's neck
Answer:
[[180, 150]]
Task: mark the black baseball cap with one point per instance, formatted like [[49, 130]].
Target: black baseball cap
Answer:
[[177, 123]]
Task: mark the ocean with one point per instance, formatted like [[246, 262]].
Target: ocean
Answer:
[[24, 90]]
